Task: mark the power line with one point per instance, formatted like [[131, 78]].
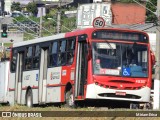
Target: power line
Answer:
[[149, 27], [62, 25], [145, 7], [36, 23], [60, 20], [152, 4], [23, 25]]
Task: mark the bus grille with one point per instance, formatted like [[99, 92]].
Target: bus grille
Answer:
[[128, 96], [120, 81], [118, 88]]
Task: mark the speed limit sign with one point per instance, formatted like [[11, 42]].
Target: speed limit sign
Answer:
[[98, 22]]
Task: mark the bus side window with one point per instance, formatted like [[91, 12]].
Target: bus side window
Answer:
[[53, 54], [36, 56], [28, 58], [70, 50], [62, 52], [13, 61]]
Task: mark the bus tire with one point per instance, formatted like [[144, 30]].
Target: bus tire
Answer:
[[147, 106], [29, 99], [134, 106], [69, 101]]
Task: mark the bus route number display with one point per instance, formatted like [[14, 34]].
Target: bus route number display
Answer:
[[98, 22]]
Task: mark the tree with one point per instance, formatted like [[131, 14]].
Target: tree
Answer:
[[16, 6], [151, 17], [32, 7]]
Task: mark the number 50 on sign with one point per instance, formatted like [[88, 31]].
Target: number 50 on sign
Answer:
[[98, 22]]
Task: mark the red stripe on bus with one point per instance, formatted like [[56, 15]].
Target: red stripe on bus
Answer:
[[54, 85], [11, 89], [24, 88], [34, 87]]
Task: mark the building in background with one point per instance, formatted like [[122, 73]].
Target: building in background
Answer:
[[86, 13], [7, 6], [128, 13]]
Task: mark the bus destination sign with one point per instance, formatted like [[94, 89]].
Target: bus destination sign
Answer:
[[117, 35]]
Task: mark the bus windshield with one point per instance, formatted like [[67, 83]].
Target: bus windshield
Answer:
[[120, 59]]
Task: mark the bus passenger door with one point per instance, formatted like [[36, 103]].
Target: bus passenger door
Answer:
[[42, 76], [18, 84], [81, 67]]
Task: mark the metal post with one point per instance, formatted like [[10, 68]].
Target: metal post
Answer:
[[156, 104], [2, 50], [2, 44], [40, 27], [59, 18]]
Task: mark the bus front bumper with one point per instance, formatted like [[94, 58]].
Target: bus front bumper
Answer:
[[97, 92]]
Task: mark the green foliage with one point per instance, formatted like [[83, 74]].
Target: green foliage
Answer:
[[22, 19], [32, 7], [19, 19], [69, 23], [52, 14], [150, 16], [35, 19], [28, 36], [16, 6], [50, 25]]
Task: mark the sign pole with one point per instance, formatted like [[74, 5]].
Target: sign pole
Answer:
[[156, 104]]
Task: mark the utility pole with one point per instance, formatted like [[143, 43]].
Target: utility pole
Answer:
[[2, 44], [40, 27], [2, 6], [2, 10], [40, 5], [156, 104], [59, 18]]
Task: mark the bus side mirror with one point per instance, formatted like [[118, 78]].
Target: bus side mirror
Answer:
[[153, 59]]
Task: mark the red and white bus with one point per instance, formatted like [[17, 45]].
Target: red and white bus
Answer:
[[93, 63]]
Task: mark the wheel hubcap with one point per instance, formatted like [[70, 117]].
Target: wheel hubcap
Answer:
[[29, 101], [70, 101]]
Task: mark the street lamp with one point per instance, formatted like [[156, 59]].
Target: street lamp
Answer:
[[62, 25]]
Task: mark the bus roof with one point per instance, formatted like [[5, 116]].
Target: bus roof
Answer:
[[39, 40], [70, 34]]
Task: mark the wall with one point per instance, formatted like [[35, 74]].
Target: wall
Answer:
[[128, 13]]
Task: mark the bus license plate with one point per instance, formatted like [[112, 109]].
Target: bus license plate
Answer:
[[121, 93]]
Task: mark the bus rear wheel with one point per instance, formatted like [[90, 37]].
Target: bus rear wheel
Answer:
[[29, 99], [69, 101]]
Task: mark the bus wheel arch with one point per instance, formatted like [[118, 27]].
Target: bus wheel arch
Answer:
[[29, 97], [69, 101]]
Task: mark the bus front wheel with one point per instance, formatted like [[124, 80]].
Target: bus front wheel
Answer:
[[29, 99], [69, 98]]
